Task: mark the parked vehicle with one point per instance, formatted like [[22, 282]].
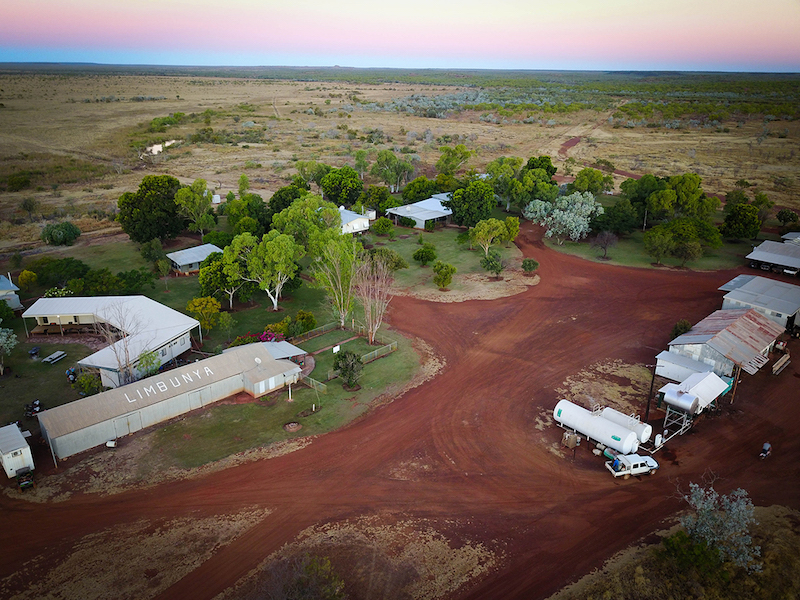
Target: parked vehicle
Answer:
[[625, 465], [25, 478], [766, 450]]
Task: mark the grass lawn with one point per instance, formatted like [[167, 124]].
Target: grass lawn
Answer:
[[630, 252], [324, 360], [224, 430], [447, 250], [330, 338]]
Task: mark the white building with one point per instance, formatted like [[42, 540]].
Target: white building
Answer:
[[15, 453], [776, 300], [94, 420], [188, 260], [353, 222], [8, 292], [424, 210], [143, 324]]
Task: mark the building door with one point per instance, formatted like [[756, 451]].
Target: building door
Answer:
[[127, 424]]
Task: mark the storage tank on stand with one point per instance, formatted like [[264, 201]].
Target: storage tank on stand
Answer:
[[643, 431], [687, 403], [593, 426]]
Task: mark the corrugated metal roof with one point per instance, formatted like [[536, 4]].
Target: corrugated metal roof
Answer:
[[11, 439], [776, 253], [6, 285], [735, 283], [424, 209], [683, 361], [192, 255], [765, 293], [284, 349], [348, 216], [149, 323], [122, 400], [792, 235], [740, 335]]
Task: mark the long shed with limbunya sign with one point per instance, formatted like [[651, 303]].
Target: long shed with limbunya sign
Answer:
[[92, 421]]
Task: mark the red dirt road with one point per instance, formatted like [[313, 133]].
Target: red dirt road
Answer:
[[553, 519]]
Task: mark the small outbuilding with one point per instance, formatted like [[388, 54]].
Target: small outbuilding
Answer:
[[94, 420], [727, 339], [15, 453], [424, 211], [352, 222], [188, 260], [776, 300], [8, 292]]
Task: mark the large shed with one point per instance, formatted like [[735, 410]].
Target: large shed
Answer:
[[424, 210], [776, 254], [92, 421], [144, 325], [729, 338], [15, 453], [776, 300], [188, 260]]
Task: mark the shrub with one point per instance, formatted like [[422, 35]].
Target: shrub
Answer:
[[443, 274], [252, 338], [529, 265], [27, 279], [425, 254], [407, 222], [219, 238], [392, 258], [306, 320], [60, 234], [88, 384], [680, 328], [493, 263], [430, 226], [382, 226], [350, 367]]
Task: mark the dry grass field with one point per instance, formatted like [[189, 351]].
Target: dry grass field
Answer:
[[81, 136]]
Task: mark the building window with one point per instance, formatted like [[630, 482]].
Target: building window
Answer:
[[16, 453], [75, 319], [163, 352], [45, 320], [183, 341]]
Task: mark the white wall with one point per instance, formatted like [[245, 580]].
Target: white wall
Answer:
[[17, 459]]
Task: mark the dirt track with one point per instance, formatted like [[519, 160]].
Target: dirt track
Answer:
[[490, 473]]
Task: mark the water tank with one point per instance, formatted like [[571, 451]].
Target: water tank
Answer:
[[688, 403], [596, 427], [643, 431]]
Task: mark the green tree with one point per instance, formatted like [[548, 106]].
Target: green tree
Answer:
[[658, 244], [592, 181], [493, 263], [391, 170], [688, 252], [418, 189], [226, 323], [361, 163], [26, 280], [567, 217], [452, 159], [8, 340], [342, 186], [350, 367], [193, 204], [541, 162], [764, 206], [390, 257], [742, 222], [311, 221], [206, 309], [312, 171], [443, 274], [151, 211], [152, 251], [163, 267], [214, 280], [529, 265], [471, 204], [270, 263], [734, 198], [382, 226], [284, 196], [691, 200], [512, 229], [681, 327], [132, 282], [148, 363], [88, 384], [334, 270], [786, 216], [375, 196], [503, 175], [30, 205], [619, 219], [425, 254], [488, 232]]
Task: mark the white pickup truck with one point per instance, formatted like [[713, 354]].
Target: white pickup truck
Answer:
[[625, 465]]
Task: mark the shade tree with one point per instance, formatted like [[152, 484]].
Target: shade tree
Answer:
[[334, 271], [568, 217], [342, 186], [471, 204], [311, 221], [452, 159], [194, 202], [151, 211]]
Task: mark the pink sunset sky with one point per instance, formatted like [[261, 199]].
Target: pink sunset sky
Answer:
[[697, 35]]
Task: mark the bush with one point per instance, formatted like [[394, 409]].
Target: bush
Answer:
[[407, 222], [60, 234], [392, 258], [252, 338], [88, 384], [350, 367], [425, 254], [493, 263], [430, 226], [382, 226], [219, 238], [680, 328], [443, 274], [529, 265]]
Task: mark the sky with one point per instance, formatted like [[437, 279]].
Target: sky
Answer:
[[675, 35]]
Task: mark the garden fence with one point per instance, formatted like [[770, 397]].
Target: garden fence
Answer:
[[368, 358], [313, 333], [315, 385]]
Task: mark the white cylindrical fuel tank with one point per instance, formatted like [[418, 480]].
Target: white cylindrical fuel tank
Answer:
[[686, 402], [643, 431], [596, 427]]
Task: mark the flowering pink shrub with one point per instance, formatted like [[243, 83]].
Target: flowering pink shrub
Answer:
[[252, 338]]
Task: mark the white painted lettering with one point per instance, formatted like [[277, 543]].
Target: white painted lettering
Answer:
[[209, 371], [128, 399], [187, 378], [176, 383], [197, 372], [150, 390], [139, 392], [161, 386]]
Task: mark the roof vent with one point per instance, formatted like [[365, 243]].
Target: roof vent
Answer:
[[258, 361]]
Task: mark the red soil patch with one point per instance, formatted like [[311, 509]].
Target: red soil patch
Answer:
[[491, 471]]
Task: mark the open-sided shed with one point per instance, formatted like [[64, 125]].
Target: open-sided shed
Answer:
[[424, 210], [188, 260]]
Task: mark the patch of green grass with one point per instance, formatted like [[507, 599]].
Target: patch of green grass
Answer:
[[116, 257], [224, 430], [324, 360], [447, 250], [629, 252], [326, 339]]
